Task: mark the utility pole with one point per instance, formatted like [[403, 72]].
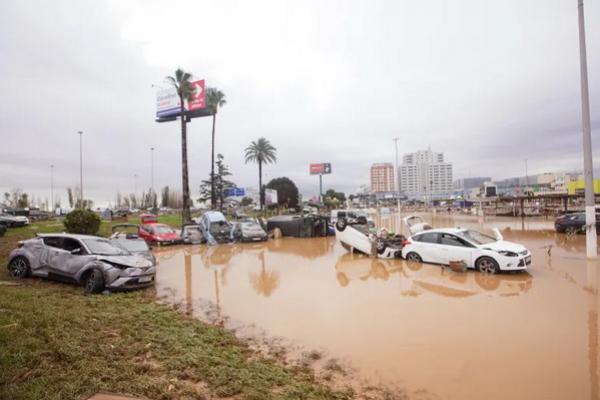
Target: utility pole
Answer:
[[526, 178], [590, 202], [80, 169], [397, 175], [135, 184], [152, 173], [52, 188]]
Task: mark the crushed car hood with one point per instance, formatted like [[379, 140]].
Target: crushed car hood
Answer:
[[128, 261], [504, 245]]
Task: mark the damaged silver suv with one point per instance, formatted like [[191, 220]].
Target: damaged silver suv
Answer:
[[91, 261]]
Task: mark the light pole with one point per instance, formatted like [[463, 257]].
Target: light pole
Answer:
[[52, 187], [590, 201], [152, 173], [135, 184], [526, 178], [80, 168], [397, 175]]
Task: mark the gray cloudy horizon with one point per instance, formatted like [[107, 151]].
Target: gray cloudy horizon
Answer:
[[487, 83]]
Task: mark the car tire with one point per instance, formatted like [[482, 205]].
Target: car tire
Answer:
[[380, 245], [19, 267], [341, 224], [414, 257], [487, 265], [93, 282]]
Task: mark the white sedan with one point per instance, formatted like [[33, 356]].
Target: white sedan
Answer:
[[475, 249]]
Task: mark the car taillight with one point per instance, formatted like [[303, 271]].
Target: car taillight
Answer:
[[20, 244], [406, 242]]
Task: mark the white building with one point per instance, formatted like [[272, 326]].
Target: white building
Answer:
[[425, 174]]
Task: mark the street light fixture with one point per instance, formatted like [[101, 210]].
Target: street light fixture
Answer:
[[397, 175], [152, 173], [52, 187]]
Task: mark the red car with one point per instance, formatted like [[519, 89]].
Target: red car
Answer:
[[154, 233]]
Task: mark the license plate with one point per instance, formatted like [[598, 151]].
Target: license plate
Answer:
[[144, 279], [527, 260]]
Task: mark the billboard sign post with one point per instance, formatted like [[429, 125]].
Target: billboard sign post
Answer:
[[270, 196], [320, 169]]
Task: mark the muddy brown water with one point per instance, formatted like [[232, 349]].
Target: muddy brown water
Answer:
[[454, 335]]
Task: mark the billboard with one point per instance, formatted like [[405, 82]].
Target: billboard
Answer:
[[168, 105], [320, 169], [270, 196]]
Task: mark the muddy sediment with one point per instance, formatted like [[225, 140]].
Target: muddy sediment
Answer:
[[425, 330]]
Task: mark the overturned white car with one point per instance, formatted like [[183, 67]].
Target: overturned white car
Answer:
[[355, 236]]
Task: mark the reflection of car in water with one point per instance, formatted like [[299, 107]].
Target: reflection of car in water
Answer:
[[350, 267], [355, 235], [417, 278], [445, 282], [475, 249], [219, 255]]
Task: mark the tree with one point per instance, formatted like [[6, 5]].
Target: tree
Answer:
[[70, 196], [332, 194], [260, 152], [287, 191], [182, 84], [164, 198], [215, 99], [23, 201], [82, 221], [219, 182], [246, 201]]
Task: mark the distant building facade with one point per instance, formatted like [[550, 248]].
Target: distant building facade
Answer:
[[470, 183], [425, 174], [382, 178]]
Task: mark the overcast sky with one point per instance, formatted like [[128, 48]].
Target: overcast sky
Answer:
[[489, 83]]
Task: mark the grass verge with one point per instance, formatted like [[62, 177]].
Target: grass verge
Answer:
[[56, 343]]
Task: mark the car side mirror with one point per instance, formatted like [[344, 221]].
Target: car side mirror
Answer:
[[76, 251]]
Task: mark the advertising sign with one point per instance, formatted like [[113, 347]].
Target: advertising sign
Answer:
[[320, 169], [168, 105], [270, 196], [198, 100]]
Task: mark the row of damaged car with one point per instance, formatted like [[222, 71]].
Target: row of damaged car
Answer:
[[457, 247]]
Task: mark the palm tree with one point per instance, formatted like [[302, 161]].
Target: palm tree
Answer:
[[215, 99], [261, 152], [181, 82]]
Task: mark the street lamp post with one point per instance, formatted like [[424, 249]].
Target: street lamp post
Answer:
[[152, 173], [526, 178], [52, 187], [135, 184], [80, 168], [590, 202], [397, 175]]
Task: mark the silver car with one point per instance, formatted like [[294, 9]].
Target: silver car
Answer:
[[91, 261]]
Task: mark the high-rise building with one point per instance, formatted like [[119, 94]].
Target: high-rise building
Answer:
[[425, 174], [382, 178]]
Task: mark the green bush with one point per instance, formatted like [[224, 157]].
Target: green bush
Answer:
[[81, 221]]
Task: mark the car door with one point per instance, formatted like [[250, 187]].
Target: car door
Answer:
[[67, 260], [50, 245], [453, 248], [428, 247]]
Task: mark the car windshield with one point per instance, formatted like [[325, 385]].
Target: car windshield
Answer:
[[162, 229], [250, 225], [104, 247], [133, 245], [477, 237]]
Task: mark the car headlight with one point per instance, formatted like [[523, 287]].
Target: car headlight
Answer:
[[508, 253]]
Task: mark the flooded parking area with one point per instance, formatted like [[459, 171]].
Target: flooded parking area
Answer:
[[437, 333]]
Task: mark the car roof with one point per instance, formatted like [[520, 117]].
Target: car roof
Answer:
[[442, 230], [70, 235]]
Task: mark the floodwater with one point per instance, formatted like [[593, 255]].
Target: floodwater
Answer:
[[449, 335]]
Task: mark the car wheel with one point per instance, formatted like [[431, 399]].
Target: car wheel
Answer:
[[19, 267], [341, 224], [94, 282], [414, 257], [487, 265], [380, 245]]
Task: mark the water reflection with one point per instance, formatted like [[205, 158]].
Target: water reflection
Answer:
[[264, 282]]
